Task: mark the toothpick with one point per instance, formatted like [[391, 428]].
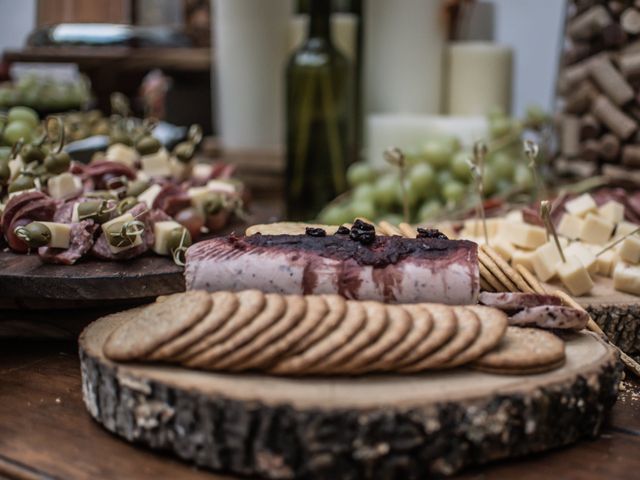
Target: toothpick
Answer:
[[531, 150], [477, 171], [394, 156], [620, 240], [545, 214]]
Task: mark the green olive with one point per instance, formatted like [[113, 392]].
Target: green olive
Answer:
[[5, 171], [22, 182], [35, 234], [32, 153], [5, 153], [120, 137], [57, 162], [136, 187], [104, 194], [96, 210], [148, 145], [126, 204], [184, 151], [178, 241]]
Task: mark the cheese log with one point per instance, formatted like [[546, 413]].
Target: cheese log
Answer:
[[391, 269], [161, 231], [581, 205], [626, 278], [60, 234], [64, 186], [116, 224], [575, 276]]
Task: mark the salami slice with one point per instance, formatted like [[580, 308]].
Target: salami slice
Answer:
[[16, 203], [81, 242], [37, 210]]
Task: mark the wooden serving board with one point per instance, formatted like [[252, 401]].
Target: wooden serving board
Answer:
[[383, 426]]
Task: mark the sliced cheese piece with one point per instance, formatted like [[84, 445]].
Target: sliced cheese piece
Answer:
[[606, 262], [523, 235], [179, 170], [115, 225], [222, 186], [629, 250], [149, 195], [156, 164], [121, 153], [612, 211], [65, 185], [545, 261], [162, 230], [585, 255], [524, 258], [624, 228], [596, 230], [60, 234], [570, 226], [504, 247], [581, 205], [202, 171], [575, 276], [626, 278], [514, 216]]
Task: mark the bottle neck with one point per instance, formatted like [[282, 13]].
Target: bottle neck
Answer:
[[319, 19]]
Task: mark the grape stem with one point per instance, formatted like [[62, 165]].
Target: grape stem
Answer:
[[394, 156]]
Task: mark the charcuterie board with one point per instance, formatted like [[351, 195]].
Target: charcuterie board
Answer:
[[323, 427]]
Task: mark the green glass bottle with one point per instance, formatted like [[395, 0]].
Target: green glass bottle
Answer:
[[320, 115]]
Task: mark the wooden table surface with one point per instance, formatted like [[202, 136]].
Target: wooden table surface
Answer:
[[45, 431]]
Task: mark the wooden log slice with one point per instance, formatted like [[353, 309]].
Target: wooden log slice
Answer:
[[378, 426]]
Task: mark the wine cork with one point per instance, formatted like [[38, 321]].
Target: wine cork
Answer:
[[609, 147], [578, 51], [610, 81], [631, 155], [573, 75], [630, 64], [589, 127], [589, 23], [590, 151], [613, 36], [615, 119], [630, 21], [570, 139], [617, 6], [580, 100]]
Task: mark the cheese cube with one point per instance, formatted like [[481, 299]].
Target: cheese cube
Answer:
[[612, 211], [65, 185], [503, 247], [162, 230], [581, 205], [115, 225], [60, 234], [149, 195], [15, 166], [118, 152], [585, 255], [626, 278], [225, 187], [157, 164], [524, 258], [596, 230], [629, 250], [202, 171], [606, 262], [179, 170], [200, 196], [624, 228], [545, 261], [523, 235], [574, 276], [514, 216], [570, 226]]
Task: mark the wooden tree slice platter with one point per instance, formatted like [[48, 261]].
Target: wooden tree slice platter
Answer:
[[391, 426]]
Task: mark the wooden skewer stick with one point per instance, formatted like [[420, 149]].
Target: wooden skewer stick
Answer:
[[531, 150], [477, 171], [394, 156], [545, 213], [618, 241]]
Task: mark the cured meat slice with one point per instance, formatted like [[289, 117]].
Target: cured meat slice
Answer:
[[15, 203], [81, 241], [516, 300], [40, 209], [392, 269], [100, 172], [551, 316]]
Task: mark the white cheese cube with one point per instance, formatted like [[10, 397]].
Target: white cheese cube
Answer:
[[118, 152], [574, 276], [523, 235], [162, 230], [585, 255], [15, 166], [202, 171], [514, 216], [596, 230], [149, 195], [545, 261], [60, 234], [179, 170], [626, 278], [606, 262], [115, 225], [157, 164], [612, 211], [200, 196], [581, 205], [503, 247], [624, 228], [570, 226], [629, 250], [222, 186], [524, 258], [65, 185]]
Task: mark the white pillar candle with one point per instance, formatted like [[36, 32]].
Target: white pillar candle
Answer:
[[251, 52], [344, 32], [408, 131], [479, 76], [403, 56]]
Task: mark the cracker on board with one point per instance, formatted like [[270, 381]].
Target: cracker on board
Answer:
[[503, 265]]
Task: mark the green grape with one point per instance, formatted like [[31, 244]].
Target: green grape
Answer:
[[453, 143], [489, 180], [437, 152], [453, 192], [495, 113], [502, 165], [421, 177], [414, 156], [336, 215], [429, 210], [364, 192], [386, 189], [5, 152], [360, 173], [499, 127], [460, 167], [362, 209], [17, 130], [535, 116], [523, 177], [23, 114], [443, 177]]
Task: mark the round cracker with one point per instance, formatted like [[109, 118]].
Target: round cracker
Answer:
[[486, 274], [520, 371], [156, 324], [523, 350], [368, 360], [317, 310], [224, 304], [445, 325], [250, 304], [493, 325], [468, 331], [242, 359], [337, 310], [274, 308], [344, 331], [504, 266], [375, 325]]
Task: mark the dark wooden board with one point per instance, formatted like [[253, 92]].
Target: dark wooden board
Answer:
[[378, 426]]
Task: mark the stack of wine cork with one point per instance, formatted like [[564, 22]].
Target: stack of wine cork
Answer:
[[599, 83]]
